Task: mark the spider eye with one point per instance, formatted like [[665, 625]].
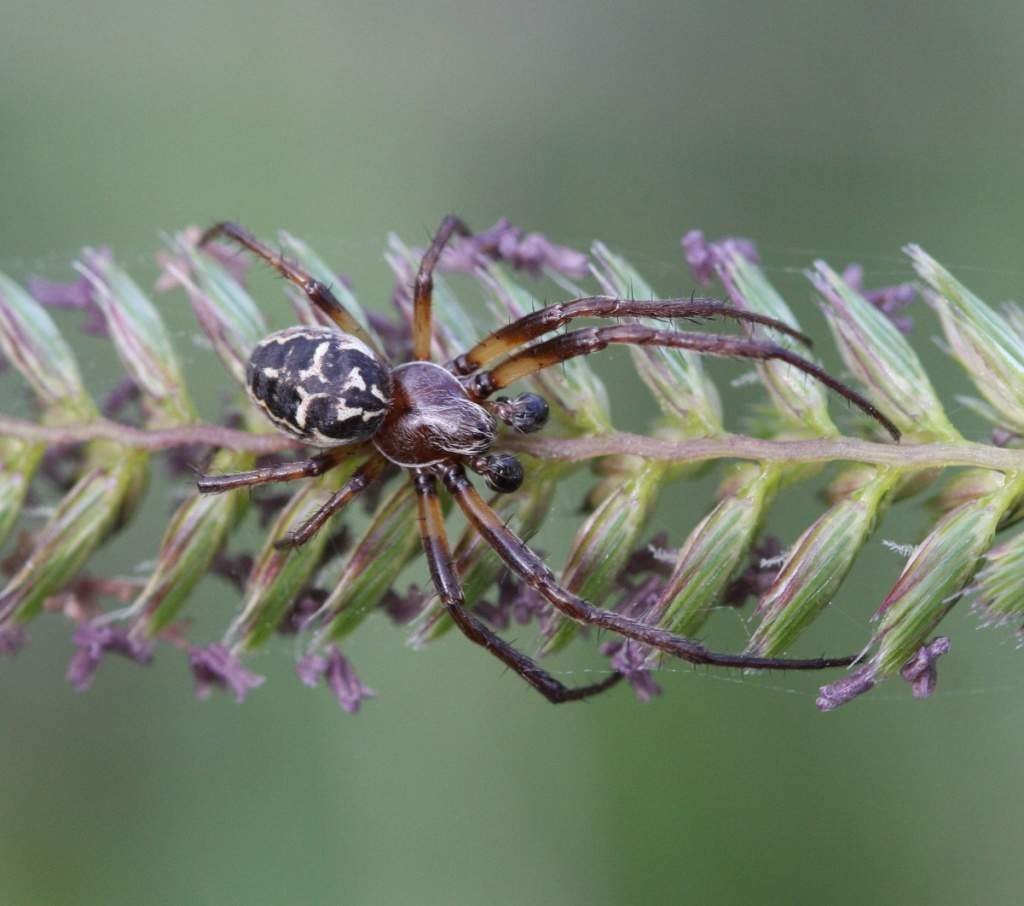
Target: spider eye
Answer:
[[502, 472], [527, 413]]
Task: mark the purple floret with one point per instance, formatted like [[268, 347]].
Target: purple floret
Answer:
[[214, 666], [93, 642]]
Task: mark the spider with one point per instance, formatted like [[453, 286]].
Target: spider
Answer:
[[332, 389]]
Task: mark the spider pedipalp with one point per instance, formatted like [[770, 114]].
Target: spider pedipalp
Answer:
[[502, 471], [526, 413]]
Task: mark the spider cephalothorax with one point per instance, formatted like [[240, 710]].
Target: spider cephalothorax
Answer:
[[432, 417], [330, 388]]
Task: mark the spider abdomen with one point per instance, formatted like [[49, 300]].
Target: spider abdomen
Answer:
[[319, 384]]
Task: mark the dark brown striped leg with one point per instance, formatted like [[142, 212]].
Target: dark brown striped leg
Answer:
[[446, 581], [528, 566], [319, 294], [361, 479], [285, 471], [423, 288], [593, 339], [510, 337]]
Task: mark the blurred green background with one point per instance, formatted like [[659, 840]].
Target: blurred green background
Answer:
[[819, 129]]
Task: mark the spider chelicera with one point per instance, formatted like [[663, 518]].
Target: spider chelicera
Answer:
[[331, 388]]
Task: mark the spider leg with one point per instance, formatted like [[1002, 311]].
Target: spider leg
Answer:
[[319, 294], [531, 568], [286, 471], [446, 581], [361, 479], [592, 339], [506, 339], [423, 289]]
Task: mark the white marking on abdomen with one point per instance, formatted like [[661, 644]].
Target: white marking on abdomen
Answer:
[[314, 369], [354, 379], [305, 398]]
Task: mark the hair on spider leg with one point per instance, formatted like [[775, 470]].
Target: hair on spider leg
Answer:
[[194, 468]]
